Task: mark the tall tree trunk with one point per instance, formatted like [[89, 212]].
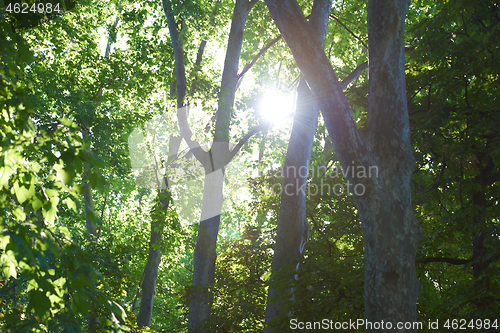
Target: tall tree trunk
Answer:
[[218, 158], [88, 204], [293, 229], [158, 222], [205, 252], [159, 217], [214, 161], [87, 196], [154, 257], [480, 263], [378, 161]]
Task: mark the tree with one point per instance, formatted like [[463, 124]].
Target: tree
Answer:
[[53, 277], [293, 229], [160, 216], [215, 160], [454, 134], [68, 111], [390, 230]]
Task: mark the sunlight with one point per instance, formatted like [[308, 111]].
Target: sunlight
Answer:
[[277, 106]]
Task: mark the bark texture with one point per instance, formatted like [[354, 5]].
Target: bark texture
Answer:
[[87, 197], [390, 230], [213, 161], [154, 254], [293, 229], [89, 204], [480, 260], [153, 262]]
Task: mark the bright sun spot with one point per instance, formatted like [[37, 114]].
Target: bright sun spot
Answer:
[[277, 106]]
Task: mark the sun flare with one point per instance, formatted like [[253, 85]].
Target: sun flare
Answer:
[[276, 106]]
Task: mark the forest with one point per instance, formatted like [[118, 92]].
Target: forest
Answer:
[[249, 166]]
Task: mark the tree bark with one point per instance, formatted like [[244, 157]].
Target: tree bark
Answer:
[[154, 256], [378, 162], [157, 227], [219, 156], [293, 229], [87, 196], [180, 69], [213, 161], [480, 260], [158, 223], [205, 252]]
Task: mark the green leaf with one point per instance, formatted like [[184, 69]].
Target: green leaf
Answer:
[[50, 209], [65, 174], [9, 264], [22, 193], [36, 203], [71, 204], [19, 214], [40, 303]]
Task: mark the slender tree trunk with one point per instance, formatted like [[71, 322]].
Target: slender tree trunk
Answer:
[[293, 229], [92, 319], [88, 204], [481, 264], [214, 161], [159, 217], [205, 252], [87, 197], [378, 162], [154, 256]]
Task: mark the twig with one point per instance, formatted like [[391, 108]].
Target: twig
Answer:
[[254, 60], [350, 31]]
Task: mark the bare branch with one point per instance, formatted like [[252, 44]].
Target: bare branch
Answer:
[[177, 45], [252, 132], [451, 261], [354, 75], [261, 52], [186, 133], [350, 31], [254, 60]]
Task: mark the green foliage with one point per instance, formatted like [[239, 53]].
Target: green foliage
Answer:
[[452, 92], [38, 168], [67, 109]]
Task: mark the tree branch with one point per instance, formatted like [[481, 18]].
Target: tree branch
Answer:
[[186, 133], [354, 75], [349, 30], [451, 261], [201, 49], [309, 54], [180, 69], [254, 60]]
